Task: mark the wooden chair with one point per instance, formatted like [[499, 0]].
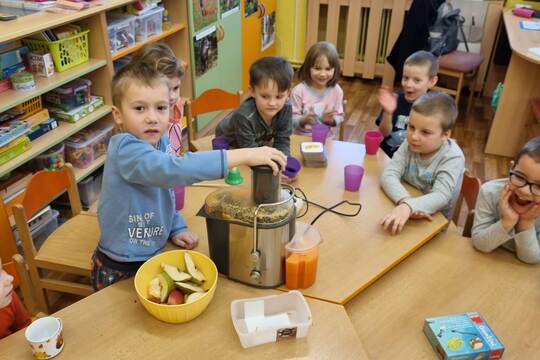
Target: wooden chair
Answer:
[[461, 66], [209, 101], [342, 125], [469, 192], [21, 279], [69, 248]]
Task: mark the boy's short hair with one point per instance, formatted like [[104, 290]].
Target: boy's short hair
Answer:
[[531, 148], [319, 49], [425, 59], [162, 57], [273, 68], [440, 105], [134, 72]]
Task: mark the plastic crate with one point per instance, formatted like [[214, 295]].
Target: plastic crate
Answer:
[[41, 227], [66, 53], [148, 24], [31, 106], [121, 30], [89, 189]]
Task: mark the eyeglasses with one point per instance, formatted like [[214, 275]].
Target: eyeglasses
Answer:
[[520, 181]]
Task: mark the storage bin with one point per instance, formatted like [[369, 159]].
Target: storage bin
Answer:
[[41, 226], [30, 106], [121, 30], [71, 95], [87, 145], [148, 24], [66, 53], [89, 189], [52, 159], [271, 318]]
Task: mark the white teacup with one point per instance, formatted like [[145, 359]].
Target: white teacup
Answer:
[[45, 337]]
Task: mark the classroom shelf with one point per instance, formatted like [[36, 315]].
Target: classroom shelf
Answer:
[[12, 97], [45, 142], [82, 173], [174, 29]]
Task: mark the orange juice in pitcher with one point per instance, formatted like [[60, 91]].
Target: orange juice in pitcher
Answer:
[[302, 257]]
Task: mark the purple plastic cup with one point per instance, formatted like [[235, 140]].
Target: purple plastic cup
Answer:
[[179, 192], [353, 177], [220, 143], [319, 133], [292, 167], [372, 140]]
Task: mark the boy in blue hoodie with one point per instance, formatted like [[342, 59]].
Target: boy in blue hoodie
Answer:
[[136, 209]]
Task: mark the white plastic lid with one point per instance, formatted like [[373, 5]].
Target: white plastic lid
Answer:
[[305, 238], [312, 147]]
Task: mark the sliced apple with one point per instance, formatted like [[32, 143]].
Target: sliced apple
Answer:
[[194, 297], [176, 297], [188, 287], [175, 273], [154, 290], [196, 275], [166, 285]]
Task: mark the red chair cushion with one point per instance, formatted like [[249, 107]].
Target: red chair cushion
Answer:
[[460, 61]]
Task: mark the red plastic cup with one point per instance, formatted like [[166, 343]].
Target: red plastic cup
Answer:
[[353, 177], [372, 140], [179, 192], [319, 133]]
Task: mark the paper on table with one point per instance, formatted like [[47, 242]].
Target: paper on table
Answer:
[[535, 51], [530, 25], [257, 322]]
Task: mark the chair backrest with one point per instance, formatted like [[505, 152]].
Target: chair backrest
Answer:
[[43, 187], [469, 192], [17, 269], [209, 101]]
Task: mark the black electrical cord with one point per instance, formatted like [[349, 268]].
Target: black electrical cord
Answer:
[[327, 209]]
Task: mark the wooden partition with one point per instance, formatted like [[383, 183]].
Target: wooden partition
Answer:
[[365, 32]]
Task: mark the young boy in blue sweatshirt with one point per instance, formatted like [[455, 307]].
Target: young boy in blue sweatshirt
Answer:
[[136, 210]]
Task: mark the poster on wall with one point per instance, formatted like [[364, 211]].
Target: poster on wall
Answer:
[[228, 7], [205, 50], [250, 7], [268, 33], [204, 13]]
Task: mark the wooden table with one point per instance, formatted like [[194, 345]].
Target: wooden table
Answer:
[[355, 251], [522, 82], [447, 276], [111, 324]]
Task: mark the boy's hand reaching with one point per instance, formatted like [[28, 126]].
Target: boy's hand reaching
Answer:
[[264, 155], [396, 219], [185, 240], [387, 99], [308, 119]]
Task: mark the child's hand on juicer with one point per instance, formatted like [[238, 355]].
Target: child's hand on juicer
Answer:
[[185, 240], [264, 155]]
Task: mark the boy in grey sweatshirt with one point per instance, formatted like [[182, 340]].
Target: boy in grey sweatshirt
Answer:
[[507, 212], [429, 160]]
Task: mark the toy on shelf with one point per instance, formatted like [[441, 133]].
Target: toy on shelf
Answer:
[[41, 63], [77, 113], [43, 128], [121, 29], [23, 81], [12, 130], [70, 95], [52, 159], [14, 148], [88, 144]]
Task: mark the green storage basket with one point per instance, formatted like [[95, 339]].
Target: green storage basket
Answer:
[[66, 53]]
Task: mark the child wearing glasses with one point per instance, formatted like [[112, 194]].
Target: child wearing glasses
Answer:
[[508, 210]]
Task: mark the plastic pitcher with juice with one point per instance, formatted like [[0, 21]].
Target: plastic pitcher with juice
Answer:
[[302, 257]]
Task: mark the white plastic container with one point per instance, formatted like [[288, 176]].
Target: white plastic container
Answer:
[[148, 24], [271, 318], [89, 189], [41, 226], [121, 30]]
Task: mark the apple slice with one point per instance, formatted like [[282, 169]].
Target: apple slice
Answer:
[[176, 297], [166, 284], [154, 290], [194, 297], [188, 288], [197, 276], [175, 273]]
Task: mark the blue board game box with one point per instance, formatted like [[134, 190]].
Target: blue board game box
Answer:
[[464, 336]]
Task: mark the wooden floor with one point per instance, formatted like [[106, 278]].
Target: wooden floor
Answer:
[[471, 129]]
